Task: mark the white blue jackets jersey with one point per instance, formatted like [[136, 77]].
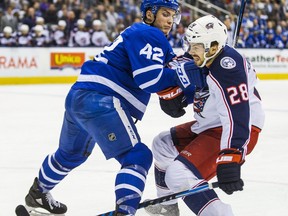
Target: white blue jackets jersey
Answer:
[[7, 41], [232, 100], [24, 39], [79, 38], [131, 68]]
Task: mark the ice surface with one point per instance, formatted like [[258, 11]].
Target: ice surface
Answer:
[[30, 122]]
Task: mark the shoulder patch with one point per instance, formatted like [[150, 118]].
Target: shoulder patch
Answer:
[[227, 63]]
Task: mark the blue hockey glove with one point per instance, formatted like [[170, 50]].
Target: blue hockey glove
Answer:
[[189, 74], [229, 164], [173, 101]]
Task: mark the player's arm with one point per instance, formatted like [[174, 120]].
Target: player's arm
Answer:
[[149, 55], [173, 100], [230, 89]]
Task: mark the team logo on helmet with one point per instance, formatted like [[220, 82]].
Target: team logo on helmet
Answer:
[[210, 26], [228, 63]]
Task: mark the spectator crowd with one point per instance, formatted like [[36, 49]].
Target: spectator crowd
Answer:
[[84, 23]]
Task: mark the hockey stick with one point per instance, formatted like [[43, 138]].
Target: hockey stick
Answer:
[[239, 22], [170, 197]]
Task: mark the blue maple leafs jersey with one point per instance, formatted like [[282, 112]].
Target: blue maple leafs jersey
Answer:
[[131, 68]]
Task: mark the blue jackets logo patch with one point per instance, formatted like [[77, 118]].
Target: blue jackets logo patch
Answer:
[[227, 63]]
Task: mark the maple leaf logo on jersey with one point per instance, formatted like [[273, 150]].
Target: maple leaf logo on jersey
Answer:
[[209, 26], [200, 99]]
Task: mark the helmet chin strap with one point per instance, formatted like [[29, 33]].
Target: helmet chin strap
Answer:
[[206, 59]]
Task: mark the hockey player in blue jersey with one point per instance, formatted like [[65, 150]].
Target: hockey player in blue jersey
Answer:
[[228, 119], [111, 92]]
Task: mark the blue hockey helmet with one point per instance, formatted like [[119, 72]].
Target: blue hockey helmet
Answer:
[[155, 5]]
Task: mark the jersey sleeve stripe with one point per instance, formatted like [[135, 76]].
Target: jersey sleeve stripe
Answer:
[[115, 87], [147, 69], [224, 144], [151, 82]]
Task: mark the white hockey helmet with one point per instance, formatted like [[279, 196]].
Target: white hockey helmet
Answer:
[[40, 20], [7, 30], [24, 28], [62, 23], [206, 30], [38, 28], [97, 22], [81, 22]]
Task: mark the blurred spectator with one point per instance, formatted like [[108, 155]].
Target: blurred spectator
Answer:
[[180, 31], [30, 18], [230, 24], [1, 15], [285, 40], [59, 35], [38, 12], [46, 32], [252, 41], [101, 12], [279, 43], [59, 4], [262, 39], [51, 15], [99, 37], [62, 13], [79, 36], [270, 39], [70, 22], [112, 18], [259, 26], [38, 38], [7, 39], [9, 20], [44, 6], [117, 30], [24, 38]]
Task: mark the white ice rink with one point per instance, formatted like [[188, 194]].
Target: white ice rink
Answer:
[[31, 118]]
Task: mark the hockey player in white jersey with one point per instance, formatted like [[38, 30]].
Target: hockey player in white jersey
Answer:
[[99, 37], [7, 38], [229, 118], [24, 38], [112, 91], [80, 36], [38, 37], [59, 35]]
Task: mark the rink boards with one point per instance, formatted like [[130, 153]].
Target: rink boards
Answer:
[[62, 65]]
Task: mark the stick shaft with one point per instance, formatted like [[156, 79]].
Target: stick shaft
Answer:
[[239, 22], [171, 197]]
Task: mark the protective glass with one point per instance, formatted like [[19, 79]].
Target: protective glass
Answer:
[[185, 44], [177, 17]]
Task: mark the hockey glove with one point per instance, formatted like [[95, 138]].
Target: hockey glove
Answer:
[[229, 164], [172, 101], [189, 74]]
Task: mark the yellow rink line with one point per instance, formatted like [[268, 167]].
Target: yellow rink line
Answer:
[[72, 79], [37, 80], [272, 76]]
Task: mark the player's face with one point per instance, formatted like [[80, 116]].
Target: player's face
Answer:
[[164, 19], [197, 51]]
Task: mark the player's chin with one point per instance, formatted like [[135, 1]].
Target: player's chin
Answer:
[[198, 61], [166, 31]]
